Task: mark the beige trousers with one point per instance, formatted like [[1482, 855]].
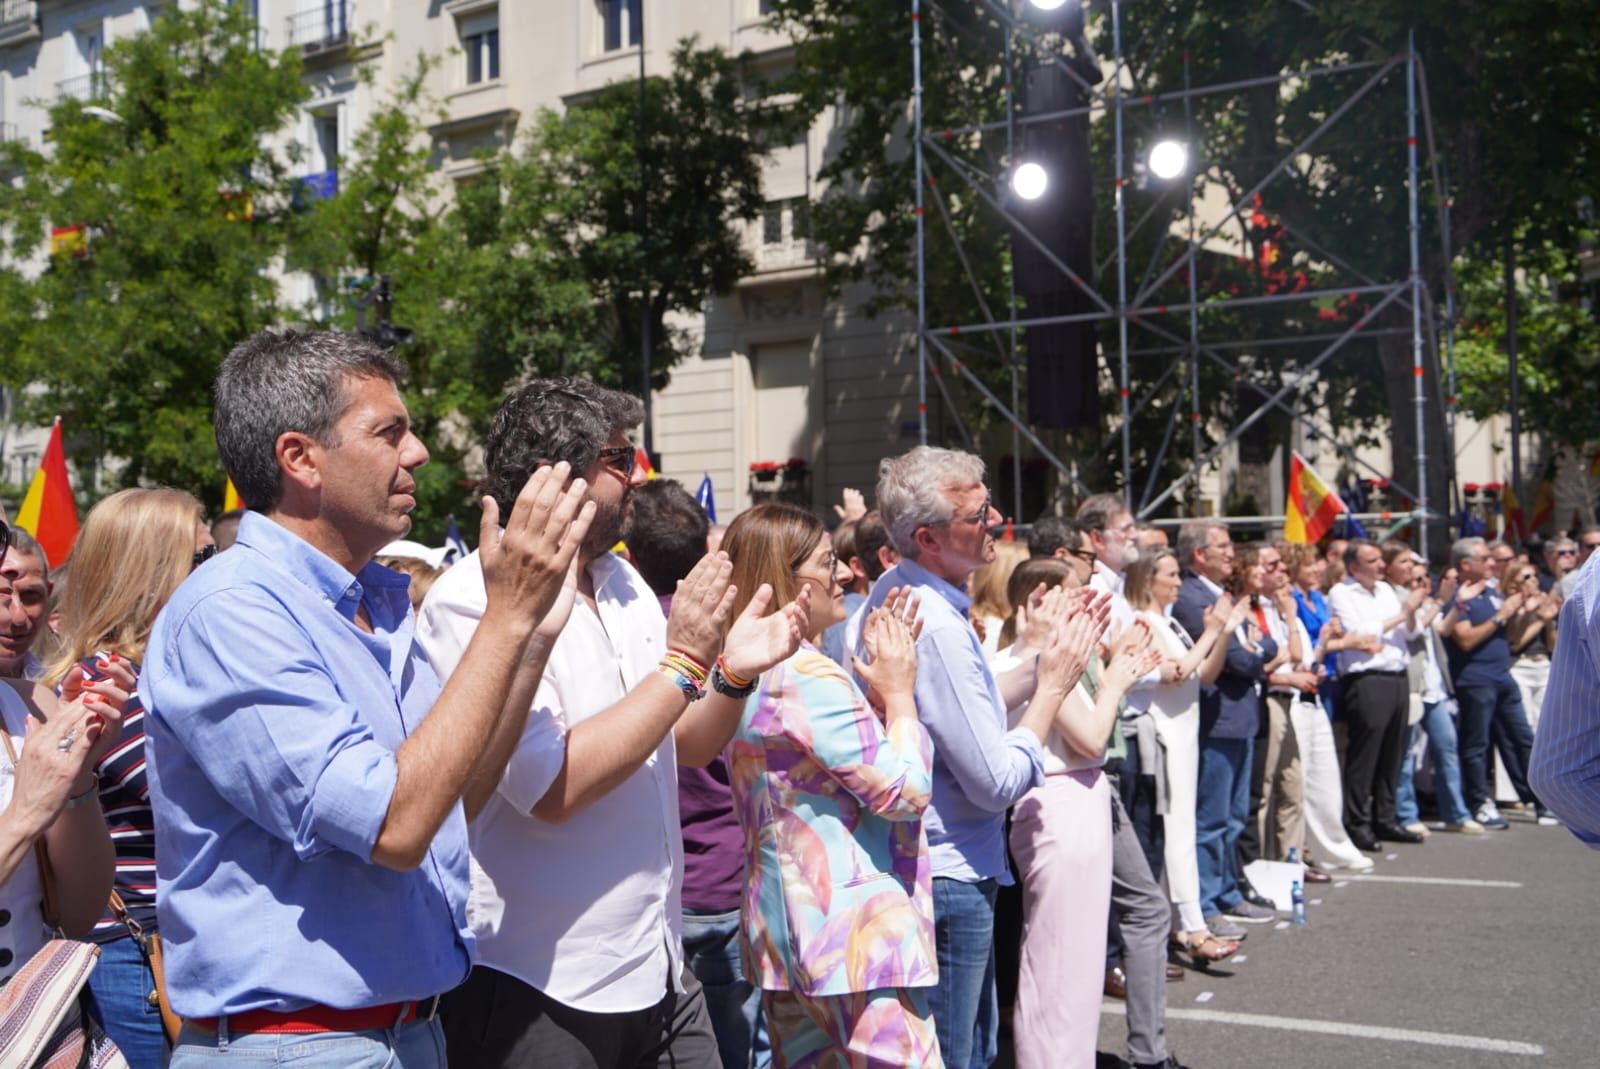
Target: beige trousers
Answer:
[[1282, 822]]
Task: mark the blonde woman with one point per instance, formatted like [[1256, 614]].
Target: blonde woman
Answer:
[[1151, 586], [133, 551]]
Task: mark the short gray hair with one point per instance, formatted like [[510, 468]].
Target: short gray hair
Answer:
[[286, 381], [25, 546], [1096, 511], [911, 490], [1462, 548], [1196, 534]]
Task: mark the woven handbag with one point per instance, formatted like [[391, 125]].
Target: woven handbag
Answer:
[[42, 1023]]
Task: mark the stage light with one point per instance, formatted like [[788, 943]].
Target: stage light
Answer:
[[1029, 181], [1168, 159], [1047, 5]]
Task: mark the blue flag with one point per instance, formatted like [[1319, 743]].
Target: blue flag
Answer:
[[1471, 524], [454, 546], [707, 498]]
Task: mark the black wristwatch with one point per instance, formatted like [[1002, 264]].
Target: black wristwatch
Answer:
[[720, 684]]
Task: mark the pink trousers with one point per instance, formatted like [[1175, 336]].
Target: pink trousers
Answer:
[[1061, 839]]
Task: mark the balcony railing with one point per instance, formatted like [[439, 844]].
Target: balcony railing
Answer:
[[83, 87], [321, 25]]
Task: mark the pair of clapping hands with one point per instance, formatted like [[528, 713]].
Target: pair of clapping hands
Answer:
[[1067, 626], [530, 571], [58, 762]]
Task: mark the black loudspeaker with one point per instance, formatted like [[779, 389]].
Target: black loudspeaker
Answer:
[[1063, 371]]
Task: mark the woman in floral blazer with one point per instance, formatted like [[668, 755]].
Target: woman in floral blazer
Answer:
[[838, 908]]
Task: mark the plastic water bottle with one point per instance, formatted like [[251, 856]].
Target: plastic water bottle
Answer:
[[1294, 856], [1298, 896]]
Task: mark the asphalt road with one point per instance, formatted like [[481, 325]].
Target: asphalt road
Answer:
[[1497, 970]]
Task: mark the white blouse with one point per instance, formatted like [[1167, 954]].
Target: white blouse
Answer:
[[22, 930]]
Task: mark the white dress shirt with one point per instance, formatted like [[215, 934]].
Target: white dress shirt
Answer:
[[1364, 613], [24, 932], [1109, 582], [588, 911]]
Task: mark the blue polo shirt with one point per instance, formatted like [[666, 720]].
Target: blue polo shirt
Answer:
[[1489, 662]]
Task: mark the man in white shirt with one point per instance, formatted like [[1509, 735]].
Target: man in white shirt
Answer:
[[577, 858], [1375, 694], [1111, 529]]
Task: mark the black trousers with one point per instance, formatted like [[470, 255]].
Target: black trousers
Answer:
[[495, 1020], [1375, 706]]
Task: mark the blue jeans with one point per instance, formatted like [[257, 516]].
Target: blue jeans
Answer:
[[965, 1005], [1222, 805], [418, 1045], [1405, 792], [1493, 711], [119, 998], [1438, 720], [711, 950]]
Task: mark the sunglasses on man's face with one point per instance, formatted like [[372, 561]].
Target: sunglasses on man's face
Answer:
[[619, 458]]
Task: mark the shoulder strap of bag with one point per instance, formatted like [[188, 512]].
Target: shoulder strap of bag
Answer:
[[47, 882]]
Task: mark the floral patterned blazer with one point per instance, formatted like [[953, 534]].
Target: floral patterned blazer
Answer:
[[838, 892]]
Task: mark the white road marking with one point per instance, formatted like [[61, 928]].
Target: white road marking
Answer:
[[1342, 883], [1204, 996], [1341, 1028], [1391, 857], [1440, 881], [1316, 901], [1280, 926]]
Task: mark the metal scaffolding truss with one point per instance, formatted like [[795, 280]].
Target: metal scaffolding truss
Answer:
[[945, 346]]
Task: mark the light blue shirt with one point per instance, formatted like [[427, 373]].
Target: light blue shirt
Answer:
[[979, 768], [1565, 769], [272, 723]]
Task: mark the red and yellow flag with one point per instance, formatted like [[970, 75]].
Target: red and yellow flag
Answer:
[[1516, 524], [1311, 507], [230, 498], [1544, 503], [48, 511]]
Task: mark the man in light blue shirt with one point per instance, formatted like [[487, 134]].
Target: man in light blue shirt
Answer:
[[311, 781], [939, 516]]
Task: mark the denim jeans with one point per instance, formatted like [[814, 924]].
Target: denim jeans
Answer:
[[1222, 805], [966, 1010], [418, 1045], [711, 950], [1406, 810], [1438, 720], [1493, 711], [119, 998]]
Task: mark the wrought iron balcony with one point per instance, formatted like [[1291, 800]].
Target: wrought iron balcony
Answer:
[[321, 25], [83, 87]]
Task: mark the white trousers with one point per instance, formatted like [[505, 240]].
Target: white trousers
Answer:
[[1180, 737], [1324, 792]]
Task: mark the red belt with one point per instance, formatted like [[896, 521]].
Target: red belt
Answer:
[[313, 1019]]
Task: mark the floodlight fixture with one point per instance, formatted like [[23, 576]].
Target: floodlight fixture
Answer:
[[1168, 159], [1029, 181], [95, 111], [1047, 5]]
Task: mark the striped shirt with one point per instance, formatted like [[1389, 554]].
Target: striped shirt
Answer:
[[125, 800], [1565, 769]]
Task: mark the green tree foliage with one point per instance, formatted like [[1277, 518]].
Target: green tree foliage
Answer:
[[1514, 93], [182, 205], [1558, 345]]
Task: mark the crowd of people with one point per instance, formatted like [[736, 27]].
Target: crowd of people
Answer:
[[767, 794]]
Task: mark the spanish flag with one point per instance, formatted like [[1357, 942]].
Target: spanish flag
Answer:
[[1311, 507], [1516, 524], [48, 511], [230, 498], [641, 459]]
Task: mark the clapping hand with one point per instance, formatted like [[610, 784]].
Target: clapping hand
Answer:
[[906, 603], [1447, 585], [1039, 615], [853, 506], [527, 563], [1133, 656], [890, 666], [53, 763], [1073, 642], [1218, 613], [701, 606], [759, 639]]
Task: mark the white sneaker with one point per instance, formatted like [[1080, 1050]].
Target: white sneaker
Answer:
[[1416, 827], [1489, 816], [1466, 827], [1363, 863]]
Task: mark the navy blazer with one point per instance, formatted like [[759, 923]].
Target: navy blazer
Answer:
[[1232, 708]]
